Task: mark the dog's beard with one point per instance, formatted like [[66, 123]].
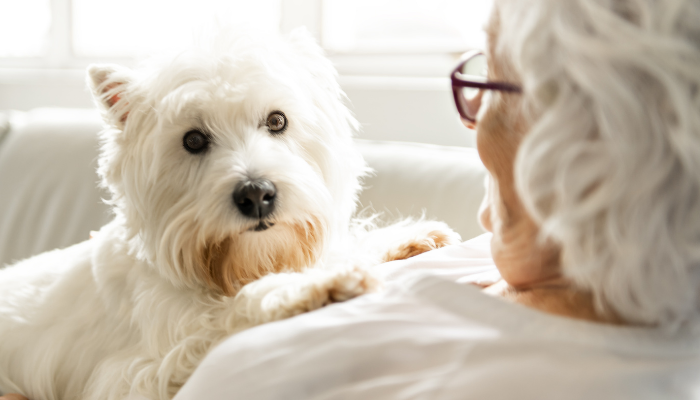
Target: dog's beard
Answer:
[[224, 264], [262, 226]]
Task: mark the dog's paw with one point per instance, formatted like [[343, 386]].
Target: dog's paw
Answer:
[[430, 235], [280, 296], [331, 287], [350, 283]]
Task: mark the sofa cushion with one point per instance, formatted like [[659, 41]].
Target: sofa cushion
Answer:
[[49, 196], [443, 182]]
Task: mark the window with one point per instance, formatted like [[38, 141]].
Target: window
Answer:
[[24, 26], [133, 28], [393, 56], [84, 30], [403, 26]]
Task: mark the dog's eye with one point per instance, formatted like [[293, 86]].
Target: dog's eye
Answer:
[[276, 122], [195, 141]]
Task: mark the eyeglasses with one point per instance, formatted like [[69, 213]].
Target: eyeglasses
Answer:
[[469, 81]]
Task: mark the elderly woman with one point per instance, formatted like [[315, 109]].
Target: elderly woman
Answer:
[[589, 124]]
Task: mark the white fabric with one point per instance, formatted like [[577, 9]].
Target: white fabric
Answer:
[[49, 196], [428, 337]]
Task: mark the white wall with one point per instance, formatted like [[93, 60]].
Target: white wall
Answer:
[[389, 108]]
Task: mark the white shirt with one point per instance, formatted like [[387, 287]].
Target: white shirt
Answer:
[[428, 337]]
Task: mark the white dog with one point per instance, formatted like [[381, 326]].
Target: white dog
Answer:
[[226, 166]]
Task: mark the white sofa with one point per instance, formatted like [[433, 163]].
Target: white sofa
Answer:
[[49, 196]]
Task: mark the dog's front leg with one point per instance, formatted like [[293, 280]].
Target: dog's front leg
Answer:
[[284, 295]]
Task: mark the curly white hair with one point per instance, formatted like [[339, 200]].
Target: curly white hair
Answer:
[[610, 167]]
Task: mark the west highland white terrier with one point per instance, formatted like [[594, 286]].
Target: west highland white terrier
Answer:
[[233, 180]]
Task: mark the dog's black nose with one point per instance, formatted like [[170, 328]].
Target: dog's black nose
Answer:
[[256, 198]]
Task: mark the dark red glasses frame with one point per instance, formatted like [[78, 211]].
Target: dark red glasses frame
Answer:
[[468, 108]]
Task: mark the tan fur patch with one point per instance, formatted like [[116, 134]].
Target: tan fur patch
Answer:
[[226, 265], [213, 267]]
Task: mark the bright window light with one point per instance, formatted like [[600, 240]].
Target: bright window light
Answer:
[[404, 26], [133, 28], [24, 27]]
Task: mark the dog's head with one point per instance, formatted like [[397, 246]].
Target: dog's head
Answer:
[[229, 162]]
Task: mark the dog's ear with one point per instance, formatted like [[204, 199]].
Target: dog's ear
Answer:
[[317, 64], [305, 42], [109, 84]]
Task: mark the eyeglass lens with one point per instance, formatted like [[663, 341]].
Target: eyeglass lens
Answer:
[[475, 70]]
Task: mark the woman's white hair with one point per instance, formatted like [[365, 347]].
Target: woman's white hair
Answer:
[[610, 168]]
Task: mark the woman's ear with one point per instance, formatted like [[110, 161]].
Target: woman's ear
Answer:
[[110, 85]]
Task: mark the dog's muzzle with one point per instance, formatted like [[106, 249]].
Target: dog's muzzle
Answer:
[[256, 199]]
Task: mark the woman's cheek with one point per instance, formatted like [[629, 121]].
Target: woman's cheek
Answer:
[[485, 218], [484, 214]]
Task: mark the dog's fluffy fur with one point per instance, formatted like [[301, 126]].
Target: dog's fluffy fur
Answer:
[[134, 310]]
